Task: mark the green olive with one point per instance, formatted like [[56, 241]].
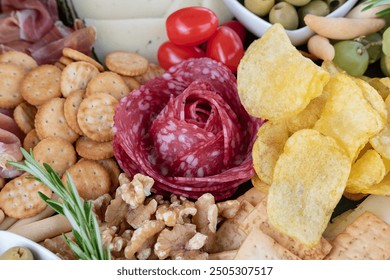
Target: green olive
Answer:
[[298, 3], [316, 7], [17, 253], [285, 14], [259, 7], [334, 4]]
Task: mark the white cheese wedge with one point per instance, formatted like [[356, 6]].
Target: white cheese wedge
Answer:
[[121, 9], [143, 36], [378, 205]]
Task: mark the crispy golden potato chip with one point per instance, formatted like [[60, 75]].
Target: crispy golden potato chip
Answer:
[[373, 97], [274, 80], [348, 116], [331, 67], [257, 183], [309, 116], [380, 85], [309, 180], [381, 141], [267, 148], [365, 172]]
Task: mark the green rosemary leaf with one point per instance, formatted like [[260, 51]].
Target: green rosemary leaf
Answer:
[[80, 214], [56, 206]]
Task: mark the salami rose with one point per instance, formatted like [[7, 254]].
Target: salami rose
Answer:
[[188, 131]]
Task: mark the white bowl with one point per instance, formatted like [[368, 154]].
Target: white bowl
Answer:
[[9, 240], [258, 26]]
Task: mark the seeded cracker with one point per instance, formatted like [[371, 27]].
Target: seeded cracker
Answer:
[[96, 116], [50, 121], [10, 78], [24, 116], [19, 58], [65, 60], [41, 84], [90, 177], [79, 56], [90, 149], [367, 238], [126, 63], [113, 169], [19, 198], [71, 107], [31, 140], [108, 82], [57, 152], [76, 76]]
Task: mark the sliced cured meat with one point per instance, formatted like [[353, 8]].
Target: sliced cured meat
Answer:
[[188, 131]]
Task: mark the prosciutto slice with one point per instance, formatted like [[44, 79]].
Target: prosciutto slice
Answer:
[[10, 143], [188, 131]]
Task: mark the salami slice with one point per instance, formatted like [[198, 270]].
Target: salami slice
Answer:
[[188, 131]]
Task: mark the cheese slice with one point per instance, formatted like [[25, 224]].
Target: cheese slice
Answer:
[[121, 9], [142, 36]]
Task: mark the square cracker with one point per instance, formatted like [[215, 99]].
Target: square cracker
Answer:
[[258, 219], [367, 238], [259, 246]]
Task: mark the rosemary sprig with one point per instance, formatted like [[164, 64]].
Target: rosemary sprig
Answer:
[[88, 245], [377, 3]]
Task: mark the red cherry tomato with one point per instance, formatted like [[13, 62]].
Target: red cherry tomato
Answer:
[[238, 27], [191, 26], [169, 54], [226, 46]]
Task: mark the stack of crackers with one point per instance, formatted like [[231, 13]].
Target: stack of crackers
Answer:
[[249, 235], [66, 111]]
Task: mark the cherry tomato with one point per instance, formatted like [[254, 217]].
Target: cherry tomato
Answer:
[[238, 27], [226, 46], [191, 26], [169, 54]]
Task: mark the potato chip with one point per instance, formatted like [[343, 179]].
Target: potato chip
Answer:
[[381, 141], [309, 116], [257, 183], [373, 97], [309, 179], [277, 82], [267, 148], [381, 86], [348, 116], [365, 172], [331, 67]]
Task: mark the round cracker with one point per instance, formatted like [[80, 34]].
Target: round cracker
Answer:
[[31, 140], [41, 84], [65, 60], [50, 121], [77, 76], [90, 149], [90, 177], [20, 199], [113, 169], [96, 116], [71, 106], [126, 63], [131, 82], [24, 116], [108, 82], [154, 71], [11, 76], [57, 152], [79, 56], [19, 58]]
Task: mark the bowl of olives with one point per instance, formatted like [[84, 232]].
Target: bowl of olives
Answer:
[[16, 247], [258, 15]]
